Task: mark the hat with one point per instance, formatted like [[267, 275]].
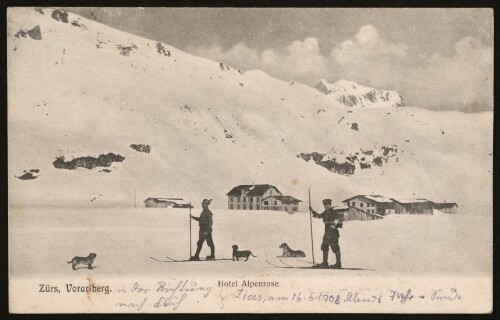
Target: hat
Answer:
[[327, 201], [207, 201]]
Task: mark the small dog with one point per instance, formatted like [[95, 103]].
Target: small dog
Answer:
[[83, 260], [241, 254], [287, 252]]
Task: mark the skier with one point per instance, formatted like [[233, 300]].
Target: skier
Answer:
[[333, 220], [205, 222]]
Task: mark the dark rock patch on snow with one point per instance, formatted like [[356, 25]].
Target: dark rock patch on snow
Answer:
[[354, 126], [141, 148], [60, 15], [315, 156], [162, 50], [29, 175], [77, 23], [40, 11], [377, 161], [34, 33], [346, 164], [103, 160], [125, 51], [344, 168]]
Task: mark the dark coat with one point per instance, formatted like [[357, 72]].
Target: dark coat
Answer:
[[329, 216]]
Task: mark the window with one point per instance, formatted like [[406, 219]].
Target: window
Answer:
[[230, 207], [353, 204], [266, 203], [361, 204], [238, 207], [275, 202]]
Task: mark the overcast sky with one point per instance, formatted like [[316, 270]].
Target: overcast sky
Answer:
[[435, 58]]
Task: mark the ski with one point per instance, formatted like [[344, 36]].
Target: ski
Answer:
[[287, 266], [174, 260], [274, 265]]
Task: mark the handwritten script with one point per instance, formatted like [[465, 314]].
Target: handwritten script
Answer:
[[172, 294], [168, 294]]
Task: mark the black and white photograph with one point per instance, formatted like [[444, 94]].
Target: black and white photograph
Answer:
[[250, 160]]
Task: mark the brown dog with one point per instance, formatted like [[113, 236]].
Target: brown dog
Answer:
[[288, 252]]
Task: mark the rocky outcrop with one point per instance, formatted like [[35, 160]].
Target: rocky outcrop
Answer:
[[347, 164], [161, 49], [60, 15], [141, 148], [353, 95], [78, 24], [29, 175], [125, 51], [34, 33], [103, 160]]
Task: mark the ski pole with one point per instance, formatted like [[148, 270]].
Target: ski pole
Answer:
[[311, 224], [190, 252]]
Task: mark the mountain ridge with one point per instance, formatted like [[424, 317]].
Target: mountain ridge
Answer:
[[352, 94]]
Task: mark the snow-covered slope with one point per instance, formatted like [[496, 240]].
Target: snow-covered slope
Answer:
[[355, 95], [78, 88]]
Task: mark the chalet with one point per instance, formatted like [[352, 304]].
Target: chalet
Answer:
[[163, 202], [260, 197], [249, 197], [371, 204], [354, 213], [446, 207], [281, 203], [413, 206]]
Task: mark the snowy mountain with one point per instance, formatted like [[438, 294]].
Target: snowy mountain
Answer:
[[354, 95], [98, 117]]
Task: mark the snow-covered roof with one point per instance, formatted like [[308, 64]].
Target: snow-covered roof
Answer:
[[253, 190], [374, 198], [411, 200], [284, 199], [163, 199], [444, 205]]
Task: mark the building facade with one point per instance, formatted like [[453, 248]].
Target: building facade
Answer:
[[447, 207], [260, 197], [281, 203], [353, 213], [162, 202], [371, 204], [413, 206]]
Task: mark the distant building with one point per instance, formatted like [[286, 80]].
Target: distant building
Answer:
[[446, 207], [280, 202], [371, 204], [380, 205], [165, 203], [260, 197], [354, 213], [413, 206]]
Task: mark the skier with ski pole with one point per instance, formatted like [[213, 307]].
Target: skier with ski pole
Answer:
[[205, 222], [333, 221]]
